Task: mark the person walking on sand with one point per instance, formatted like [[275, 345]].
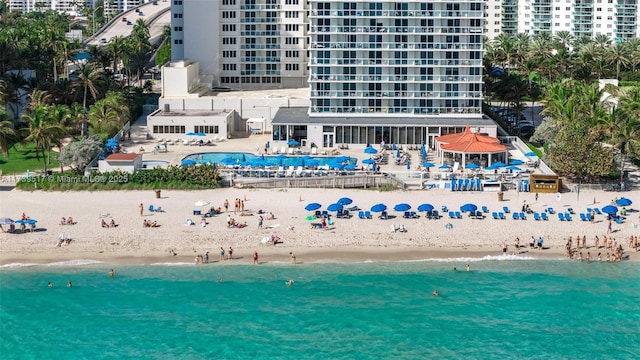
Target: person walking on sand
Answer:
[[609, 228], [141, 208], [221, 254], [260, 221], [255, 257], [230, 253], [226, 205], [293, 258]]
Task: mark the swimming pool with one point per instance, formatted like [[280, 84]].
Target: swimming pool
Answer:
[[150, 164], [248, 159]]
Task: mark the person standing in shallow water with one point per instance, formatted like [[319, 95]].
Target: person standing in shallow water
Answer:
[[255, 257]]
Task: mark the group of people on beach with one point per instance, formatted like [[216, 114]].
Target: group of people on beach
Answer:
[[104, 224], [67, 221], [608, 243]]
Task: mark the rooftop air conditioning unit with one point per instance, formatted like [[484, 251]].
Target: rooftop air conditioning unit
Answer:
[[167, 107]]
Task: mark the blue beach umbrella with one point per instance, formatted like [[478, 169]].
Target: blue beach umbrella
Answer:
[[336, 164], [402, 207], [444, 167], [531, 154], [187, 162], [610, 209], [31, 221], [516, 162], [623, 202], [345, 201], [473, 166], [492, 167], [334, 207], [21, 222], [427, 165], [379, 208], [368, 161], [425, 207], [369, 150], [312, 206], [293, 143], [468, 207], [190, 133], [499, 164]]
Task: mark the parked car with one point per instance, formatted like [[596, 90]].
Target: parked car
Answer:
[[103, 41]]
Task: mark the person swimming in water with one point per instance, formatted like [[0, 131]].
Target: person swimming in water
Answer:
[[112, 273], [50, 284], [290, 282], [435, 293]]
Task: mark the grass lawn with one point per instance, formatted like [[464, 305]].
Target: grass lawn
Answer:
[[23, 158]]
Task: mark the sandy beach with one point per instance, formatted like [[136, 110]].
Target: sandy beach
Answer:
[[346, 240]]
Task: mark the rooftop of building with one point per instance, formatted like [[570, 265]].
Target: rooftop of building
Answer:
[[297, 115], [162, 112]]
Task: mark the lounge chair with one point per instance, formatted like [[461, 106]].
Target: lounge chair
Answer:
[[505, 209], [318, 214], [485, 209], [435, 215], [314, 151], [407, 215], [582, 217], [345, 214], [561, 216], [452, 215], [414, 215], [494, 215], [383, 215], [325, 214], [515, 216], [570, 211], [339, 214], [522, 216], [550, 210], [544, 216], [567, 216], [501, 215], [361, 215], [368, 214], [458, 215], [274, 150], [444, 208], [597, 211], [536, 216]]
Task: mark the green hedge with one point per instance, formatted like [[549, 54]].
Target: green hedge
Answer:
[[174, 177]]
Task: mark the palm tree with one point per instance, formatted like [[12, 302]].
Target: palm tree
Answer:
[[563, 39], [7, 133], [90, 78], [78, 118], [104, 120], [38, 98], [115, 47], [42, 132], [618, 54], [627, 139]]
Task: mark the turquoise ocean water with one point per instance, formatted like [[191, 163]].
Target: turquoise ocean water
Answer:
[[524, 309]]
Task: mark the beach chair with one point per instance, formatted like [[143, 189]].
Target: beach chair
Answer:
[[151, 208], [536, 216], [479, 215], [339, 214], [452, 215], [588, 216], [435, 215], [407, 215], [567, 216], [505, 209], [414, 215], [550, 210], [384, 215], [367, 214], [458, 215], [325, 214], [597, 211], [314, 151], [515, 216], [345, 214], [361, 215], [561, 216], [494, 215], [522, 216], [501, 215], [289, 172], [582, 217], [444, 208], [544, 216], [283, 150], [485, 209]]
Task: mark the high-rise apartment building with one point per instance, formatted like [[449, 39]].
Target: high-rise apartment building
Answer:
[[71, 7], [243, 44], [617, 19], [396, 57]]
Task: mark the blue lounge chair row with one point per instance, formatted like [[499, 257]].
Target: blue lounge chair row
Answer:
[[519, 215], [410, 215], [455, 215], [540, 216], [564, 216], [364, 215]]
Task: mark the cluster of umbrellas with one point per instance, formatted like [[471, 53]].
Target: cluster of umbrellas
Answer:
[[612, 209], [112, 143], [339, 206], [9, 221]]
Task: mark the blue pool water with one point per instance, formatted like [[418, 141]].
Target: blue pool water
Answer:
[[244, 159], [526, 309]]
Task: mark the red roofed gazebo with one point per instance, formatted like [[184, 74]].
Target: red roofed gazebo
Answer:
[[467, 145]]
